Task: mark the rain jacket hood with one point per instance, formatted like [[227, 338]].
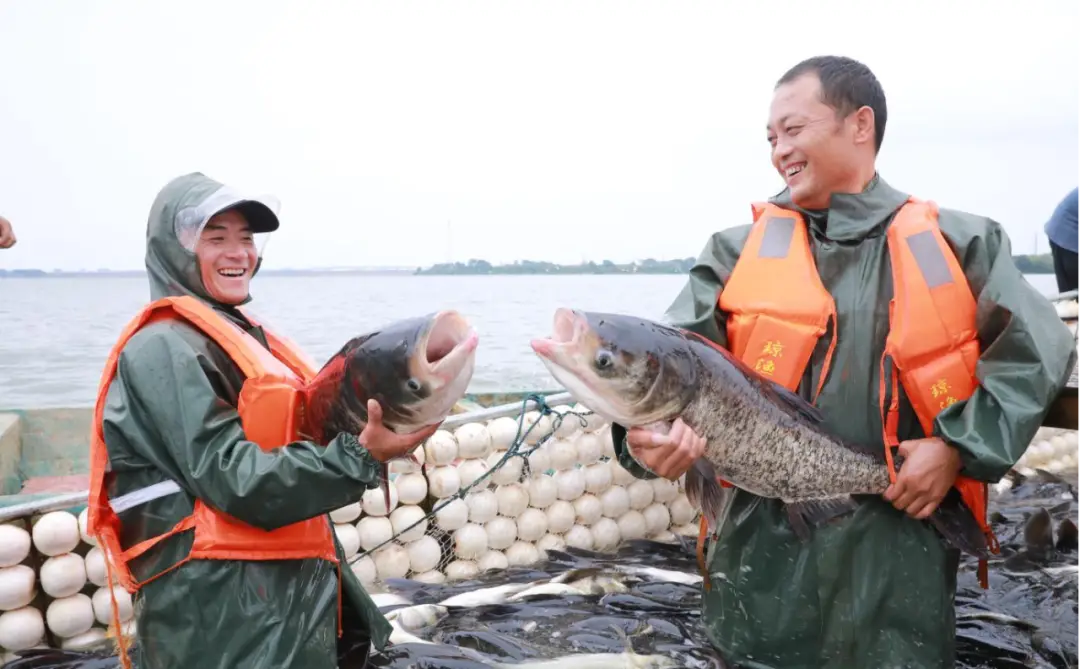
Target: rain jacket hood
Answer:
[[172, 269]]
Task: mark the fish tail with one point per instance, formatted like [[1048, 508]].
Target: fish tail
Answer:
[[957, 524]]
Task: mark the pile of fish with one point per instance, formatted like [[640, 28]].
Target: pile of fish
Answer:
[[641, 607]]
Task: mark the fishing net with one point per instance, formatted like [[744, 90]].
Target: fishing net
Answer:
[[499, 493]]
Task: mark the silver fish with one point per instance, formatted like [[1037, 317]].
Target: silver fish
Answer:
[[760, 437]]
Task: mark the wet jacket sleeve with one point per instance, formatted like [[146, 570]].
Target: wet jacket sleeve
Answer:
[[1027, 354], [695, 309], [183, 426]]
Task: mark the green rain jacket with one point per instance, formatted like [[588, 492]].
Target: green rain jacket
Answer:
[[170, 415], [876, 588]]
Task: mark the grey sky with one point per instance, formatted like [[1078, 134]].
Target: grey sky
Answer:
[[538, 130]]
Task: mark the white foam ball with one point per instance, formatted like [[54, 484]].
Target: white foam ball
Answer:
[[542, 427], [641, 494], [407, 466], [688, 530], [374, 503], [21, 628], [551, 542], [84, 517], [606, 534], [443, 481], [598, 477], [473, 441], [588, 509], [452, 516], [63, 575], [571, 484], [470, 471], [365, 571], [501, 532], [513, 499], [531, 524], [1059, 445], [411, 488], [522, 553], [657, 518], [434, 577], [664, 491], [16, 587], [539, 462], [483, 506], [616, 501], [349, 538], [470, 541], [56, 532], [374, 531], [460, 570], [606, 441], [580, 537], [560, 516], [593, 422], [632, 525], [492, 560], [95, 566], [440, 448], [424, 554], [589, 448], [1071, 439], [543, 491], [665, 536], [14, 545], [102, 604], [502, 432], [620, 475], [85, 641], [346, 514], [511, 470], [562, 453], [70, 615], [568, 423], [403, 518], [682, 512], [391, 561]]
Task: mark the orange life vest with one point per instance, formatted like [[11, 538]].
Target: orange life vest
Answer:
[[271, 413], [778, 309]]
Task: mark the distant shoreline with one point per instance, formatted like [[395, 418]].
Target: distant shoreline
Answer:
[[1027, 264]]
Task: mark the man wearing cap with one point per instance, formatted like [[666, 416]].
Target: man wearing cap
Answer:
[[1064, 232], [224, 541]]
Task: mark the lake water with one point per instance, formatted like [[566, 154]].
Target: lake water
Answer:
[[55, 333]]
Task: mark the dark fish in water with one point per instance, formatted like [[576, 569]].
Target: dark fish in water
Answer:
[[760, 437], [416, 368]]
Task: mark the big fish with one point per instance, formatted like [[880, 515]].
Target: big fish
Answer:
[[416, 368], [760, 437]]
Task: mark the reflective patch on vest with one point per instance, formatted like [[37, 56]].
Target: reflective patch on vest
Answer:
[[777, 238], [928, 254]]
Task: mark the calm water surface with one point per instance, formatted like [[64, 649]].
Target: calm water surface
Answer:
[[55, 333]]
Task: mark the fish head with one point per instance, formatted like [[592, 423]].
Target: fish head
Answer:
[[629, 370], [417, 368]]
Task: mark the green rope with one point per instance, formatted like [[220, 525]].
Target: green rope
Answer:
[[516, 449]]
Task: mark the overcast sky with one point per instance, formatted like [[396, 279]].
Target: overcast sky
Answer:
[[402, 133]]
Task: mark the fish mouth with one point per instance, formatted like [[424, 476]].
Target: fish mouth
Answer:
[[448, 347], [567, 329]]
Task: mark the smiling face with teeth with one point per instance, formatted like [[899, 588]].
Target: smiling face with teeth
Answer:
[[227, 257], [816, 150]]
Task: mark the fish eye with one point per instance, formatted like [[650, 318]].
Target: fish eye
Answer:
[[413, 385], [604, 359]]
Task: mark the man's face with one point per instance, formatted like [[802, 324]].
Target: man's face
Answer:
[[812, 149], [227, 257]]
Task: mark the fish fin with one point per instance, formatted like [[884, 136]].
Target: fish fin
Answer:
[[624, 637], [385, 473], [702, 489], [954, 520], [803, 515], [790, 402]]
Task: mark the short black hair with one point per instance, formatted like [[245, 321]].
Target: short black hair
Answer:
[[846, 85]]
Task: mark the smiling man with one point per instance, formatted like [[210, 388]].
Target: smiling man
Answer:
[[957, 384], [225, 541]]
